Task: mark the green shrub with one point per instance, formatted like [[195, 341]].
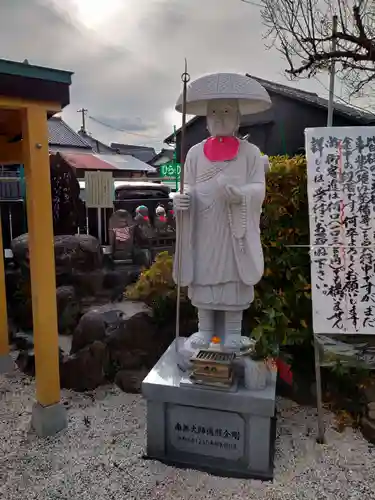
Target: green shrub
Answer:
[[154, 282], [281, 311], [282, 306], [156, 288]]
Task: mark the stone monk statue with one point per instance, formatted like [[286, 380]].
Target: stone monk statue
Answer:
[[220, 208]]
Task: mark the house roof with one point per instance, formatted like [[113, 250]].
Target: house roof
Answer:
[[97, 146], [315, 100], [363, 117], [35, 83], [143, 153], [86, 161], [60, 134], [26, 70], [128, 162], [136, 147], [164, 156]]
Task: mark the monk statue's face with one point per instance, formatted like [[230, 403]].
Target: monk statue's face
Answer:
[[223, 117]]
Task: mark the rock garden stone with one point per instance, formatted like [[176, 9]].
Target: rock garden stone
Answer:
[[26, 361], [68, 309], [126, 360], [369, 393], [118, 279], [130, 381], [19, 298], [79, 252], [135, 346], [84, 370], [88, 283], [368, 429], [79, 272], [23, 341], [129, 337], [97, 324], [117, 342], [135, 333]]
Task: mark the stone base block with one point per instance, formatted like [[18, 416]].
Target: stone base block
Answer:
[[48, 420], [6, 364], [229, 434]]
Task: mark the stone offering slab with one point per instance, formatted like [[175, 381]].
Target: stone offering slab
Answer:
[[187, 382]]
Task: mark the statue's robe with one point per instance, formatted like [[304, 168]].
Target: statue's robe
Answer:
[[221, 251]]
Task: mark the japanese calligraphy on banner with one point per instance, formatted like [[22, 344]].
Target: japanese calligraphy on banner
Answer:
[[341, 193], [99, 189]]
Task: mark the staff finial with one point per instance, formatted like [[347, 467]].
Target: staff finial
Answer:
[[185, 77]]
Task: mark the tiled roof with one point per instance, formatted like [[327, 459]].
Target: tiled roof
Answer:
[[60, 134], [136, 147], [143, 153], [164, 156], [97, 146], [315, 100], [127, 162]]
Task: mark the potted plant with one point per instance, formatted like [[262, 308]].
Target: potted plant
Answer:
[[259, 362]]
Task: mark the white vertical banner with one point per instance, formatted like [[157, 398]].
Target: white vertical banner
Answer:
[[99, 189], [341, 195]]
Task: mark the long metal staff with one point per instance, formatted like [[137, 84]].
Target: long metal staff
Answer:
[[185, 77]]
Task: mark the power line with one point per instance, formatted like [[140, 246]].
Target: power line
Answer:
[[252, 3], [347, 103], [123, 130]]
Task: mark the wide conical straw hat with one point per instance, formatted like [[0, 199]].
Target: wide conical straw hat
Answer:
[[251, 95]]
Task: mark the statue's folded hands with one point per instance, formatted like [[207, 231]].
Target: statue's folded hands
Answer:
[[234, 194]]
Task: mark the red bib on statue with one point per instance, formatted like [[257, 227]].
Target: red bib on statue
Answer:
[[221, 148]]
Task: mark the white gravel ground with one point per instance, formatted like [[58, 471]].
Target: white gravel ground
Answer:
[[102, 459]]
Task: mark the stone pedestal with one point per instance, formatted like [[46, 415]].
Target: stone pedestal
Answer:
[[48, 420], [225, 433], [6, 364]]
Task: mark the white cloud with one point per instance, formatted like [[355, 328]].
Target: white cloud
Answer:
[[128, 55]]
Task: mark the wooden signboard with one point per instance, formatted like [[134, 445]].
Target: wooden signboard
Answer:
[[99, 189]]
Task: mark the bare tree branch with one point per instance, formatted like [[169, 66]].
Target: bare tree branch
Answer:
[[302, 32]]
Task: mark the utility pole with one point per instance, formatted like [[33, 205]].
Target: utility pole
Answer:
[[319, 396], [332, 74], [83, 112]]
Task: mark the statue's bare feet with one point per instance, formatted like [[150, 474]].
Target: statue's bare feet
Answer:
[[196, 341], [200, 340]]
